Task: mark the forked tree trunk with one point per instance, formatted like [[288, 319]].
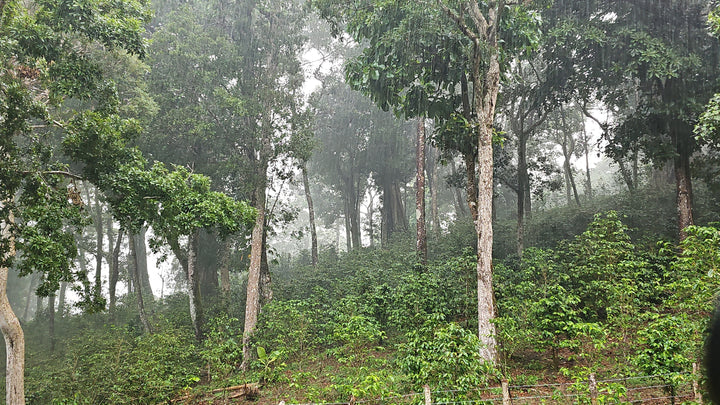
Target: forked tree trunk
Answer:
[[12, 332], [421, 239]]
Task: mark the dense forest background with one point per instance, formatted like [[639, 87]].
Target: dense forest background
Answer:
[[213, 201]]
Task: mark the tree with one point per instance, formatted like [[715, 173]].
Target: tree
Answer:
[[656, 67], [417, 54], [50, 40]]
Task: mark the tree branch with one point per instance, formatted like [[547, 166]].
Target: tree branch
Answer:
[[460, 23]]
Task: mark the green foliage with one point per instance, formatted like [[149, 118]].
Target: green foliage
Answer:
[[222, 349], [295, 326], [668, 346], [113, 366], [270, 369], [443, 355]]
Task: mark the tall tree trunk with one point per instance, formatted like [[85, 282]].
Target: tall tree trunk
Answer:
[[99, 236], [434, 185], [138, 286], [586, 150], [61, 299], [348, 236], [252, 304], [421, 239], [486, 84], [311, 214], [684, 185], [12, 332], [38, 304], [393, 211], [51, 322], [192, 284], [460, 205], [371, 217], [115, 270], [523, 180], [32, 285]]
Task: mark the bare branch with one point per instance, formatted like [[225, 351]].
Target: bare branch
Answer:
[[57, 172], [478, 18]]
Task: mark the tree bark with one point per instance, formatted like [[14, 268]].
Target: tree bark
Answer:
[[32, 285], [684, 187], [421, 239], [311, 214], [138, 286], [51, 322], [460, 205], [192, 284], [61, 299], [252, 305], [99, 237], [523, 181], [12, 332], [142, 268], [433, 183], [115, 270]]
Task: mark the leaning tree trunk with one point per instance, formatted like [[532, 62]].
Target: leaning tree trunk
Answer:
[[12, 332], [61, 299], [311, 214], [421, 239]]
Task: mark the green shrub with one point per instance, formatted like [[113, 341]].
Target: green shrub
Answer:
[[444, 356], [222, 348]]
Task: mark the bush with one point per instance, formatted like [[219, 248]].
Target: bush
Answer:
[[444, 356]]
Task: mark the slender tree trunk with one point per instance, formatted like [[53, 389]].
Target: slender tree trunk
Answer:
[[115, 270], [460, 205], [523, 180], [586, 150], [684, 187], [311, 214], [61, 299], [138, 286], [99, 236], [348, 236], [192, 284], [38, 304], [51, 322], [434, 214], [12, 332], [371, 218], [421, 239], [31, 291]]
